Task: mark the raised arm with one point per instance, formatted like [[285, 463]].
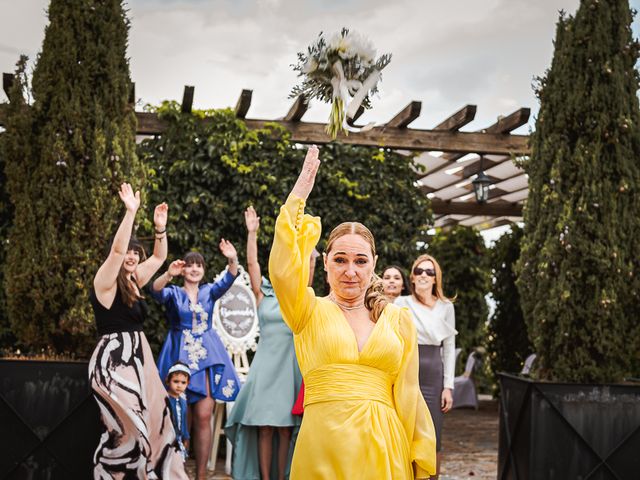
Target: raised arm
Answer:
[[104, 283], [296, 235], [252, 220], [151, 265], [175, 269]]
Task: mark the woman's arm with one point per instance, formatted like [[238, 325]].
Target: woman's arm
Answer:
[[449, 360], [175, 269], [104, 283], [252, 220], [295, 237], [151, 265]]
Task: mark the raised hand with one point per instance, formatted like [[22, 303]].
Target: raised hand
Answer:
[[130, 200], [252, 220], [175, 268], [227, 249], [307, 176], [160, 216]]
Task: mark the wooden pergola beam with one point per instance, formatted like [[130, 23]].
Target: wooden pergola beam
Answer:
[[497, 209], [244, 102], [509, 123], [503, 126], [407, 115], [187, 98], [459, 119], [7, 83], [394, 138], [297, 110], [132, 94]]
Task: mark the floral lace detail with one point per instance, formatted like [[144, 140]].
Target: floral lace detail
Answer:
[[229, 388], [194, 348], [216, 378], [198, 325]]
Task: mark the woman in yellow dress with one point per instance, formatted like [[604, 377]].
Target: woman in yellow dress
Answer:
[[364, 415]]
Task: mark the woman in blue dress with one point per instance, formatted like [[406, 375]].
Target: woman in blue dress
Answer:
[[260, 425], [192, 340]]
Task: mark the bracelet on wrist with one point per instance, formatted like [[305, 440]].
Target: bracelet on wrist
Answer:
[[160, 231], [233, 260]]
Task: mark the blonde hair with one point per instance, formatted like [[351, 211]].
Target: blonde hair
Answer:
[[437, 287], [374, 299]]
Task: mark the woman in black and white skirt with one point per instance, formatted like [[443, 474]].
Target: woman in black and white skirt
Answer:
[[434, 317], [138, 440]]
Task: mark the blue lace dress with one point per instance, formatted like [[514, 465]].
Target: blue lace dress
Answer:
[[192, 340]]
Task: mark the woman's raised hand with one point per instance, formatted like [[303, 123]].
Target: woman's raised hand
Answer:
[[227, 249], [160, 216], [175, 268], [307, 176], [130, 200], [252, 220]]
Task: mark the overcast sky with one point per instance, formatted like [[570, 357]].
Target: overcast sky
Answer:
[[446, 54]]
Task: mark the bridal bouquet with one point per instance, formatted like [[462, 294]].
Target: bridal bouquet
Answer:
[[341, 69]]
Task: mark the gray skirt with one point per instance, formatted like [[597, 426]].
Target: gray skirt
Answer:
[[431, 377]]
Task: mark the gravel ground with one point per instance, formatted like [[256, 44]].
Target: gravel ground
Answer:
[[470, 445]]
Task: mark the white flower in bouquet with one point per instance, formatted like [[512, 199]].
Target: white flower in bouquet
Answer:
[[342, 70]]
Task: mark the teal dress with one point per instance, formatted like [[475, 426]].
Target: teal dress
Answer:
[[268, 395]]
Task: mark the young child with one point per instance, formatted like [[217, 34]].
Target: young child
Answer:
[[177, 382]]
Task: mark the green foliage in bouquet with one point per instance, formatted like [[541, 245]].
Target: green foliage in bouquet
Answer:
[[64, 157], [579, 272], [335, 68]]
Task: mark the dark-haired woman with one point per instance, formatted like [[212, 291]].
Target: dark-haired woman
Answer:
[[364, 416], [139, 440], [192, 340], [394, 283]]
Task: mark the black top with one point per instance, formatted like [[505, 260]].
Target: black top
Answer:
[[120, 317]]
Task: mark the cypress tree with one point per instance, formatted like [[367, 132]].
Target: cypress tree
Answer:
[[77, 145], [579, 266], [508, 342], [462, 256]]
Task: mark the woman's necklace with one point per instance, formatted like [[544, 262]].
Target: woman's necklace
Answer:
[[345, 307]]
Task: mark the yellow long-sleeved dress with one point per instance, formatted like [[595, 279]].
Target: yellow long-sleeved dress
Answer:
[[364, 415]]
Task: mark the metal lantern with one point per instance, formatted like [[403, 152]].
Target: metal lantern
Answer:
[[481, 185]]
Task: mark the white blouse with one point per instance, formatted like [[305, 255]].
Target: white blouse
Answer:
[[435, 326]]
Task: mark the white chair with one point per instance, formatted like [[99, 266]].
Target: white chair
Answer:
[[464, 389], [528, 363]]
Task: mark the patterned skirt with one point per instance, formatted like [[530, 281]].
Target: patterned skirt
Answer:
[[138, 440]]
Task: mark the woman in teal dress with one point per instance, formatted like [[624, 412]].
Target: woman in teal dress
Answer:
[[260, 425]]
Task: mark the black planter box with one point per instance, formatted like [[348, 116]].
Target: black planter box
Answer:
[[50, 421], [563, 431]]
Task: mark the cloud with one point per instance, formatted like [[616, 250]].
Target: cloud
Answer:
[[446, 54]]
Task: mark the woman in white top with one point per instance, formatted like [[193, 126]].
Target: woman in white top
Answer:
[[435, 321]]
